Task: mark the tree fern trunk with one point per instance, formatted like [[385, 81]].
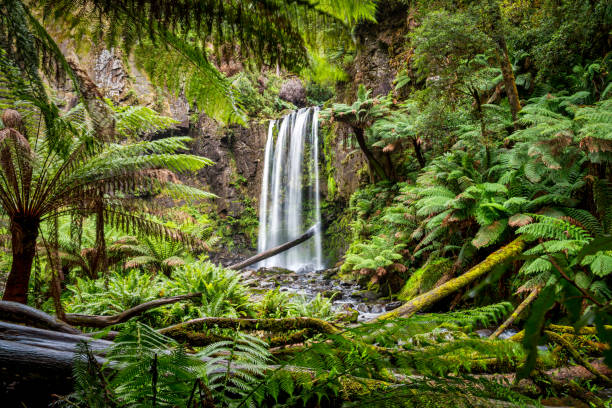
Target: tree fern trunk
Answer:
[[376, 169], [418, 152], [24, 233], [427, 299]]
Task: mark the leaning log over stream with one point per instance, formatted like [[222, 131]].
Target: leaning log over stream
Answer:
[[427, 299], [276, 250]]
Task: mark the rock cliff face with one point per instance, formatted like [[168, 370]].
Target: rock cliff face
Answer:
[[381, 51], [238, 155]]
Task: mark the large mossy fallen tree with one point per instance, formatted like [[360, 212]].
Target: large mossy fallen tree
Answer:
[[427, 299], [49, 356]]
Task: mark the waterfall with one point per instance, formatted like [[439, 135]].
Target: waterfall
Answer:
[[290, 197]]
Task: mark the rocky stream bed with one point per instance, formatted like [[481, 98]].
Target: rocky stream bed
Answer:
[[346, 297]]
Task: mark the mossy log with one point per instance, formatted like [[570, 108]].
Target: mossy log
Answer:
[[19, 313], [557, 338], [270, 325], [584, 331], [587, 330], [517, 312], [428, 299]]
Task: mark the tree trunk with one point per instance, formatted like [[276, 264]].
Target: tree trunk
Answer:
[[276, 250], [376, 169], [504, 59], [509, 80], [99, 259], [24, 232], [418, 152], [105, 321]]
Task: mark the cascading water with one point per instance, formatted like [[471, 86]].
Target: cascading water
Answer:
[[290, 202]]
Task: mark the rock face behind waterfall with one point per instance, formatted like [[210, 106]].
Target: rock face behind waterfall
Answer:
[[238, 155]]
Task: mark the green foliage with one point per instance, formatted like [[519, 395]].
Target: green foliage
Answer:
[[222, 294], [277, 304], [377, 252], [121, 293], [258, 95], [347, 367], [231, 380], [376, 242], [152, 370], [446, 44], [560, 241]]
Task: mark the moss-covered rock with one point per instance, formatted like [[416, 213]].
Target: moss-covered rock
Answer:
[[424, 278], [347, 315]]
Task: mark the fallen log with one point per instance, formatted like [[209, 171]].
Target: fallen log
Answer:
[[55, 340], [276, 250], [429, 298], [557, 338], [271, 325], [19, 313], [37, 363], [105, 321], [46, 357], [532, 296]]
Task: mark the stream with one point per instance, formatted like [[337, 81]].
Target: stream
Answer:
[[308, 283]]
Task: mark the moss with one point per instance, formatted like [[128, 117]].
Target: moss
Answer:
[[351, 387], [424, 278], [425, 300], [272, 325]]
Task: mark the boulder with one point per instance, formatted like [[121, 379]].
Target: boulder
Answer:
[[293, 91]]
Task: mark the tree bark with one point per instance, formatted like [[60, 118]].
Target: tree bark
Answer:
[[504, 59], [276, 250], [24, 232], [99, 259], [376, 169], [532, 296], [23, 314], [418, 152], [427, 299], [105, 321], [509, 80]]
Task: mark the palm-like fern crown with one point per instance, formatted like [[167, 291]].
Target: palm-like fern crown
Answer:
[[361, 113], [47, 173], [159, 254], [396, 126]]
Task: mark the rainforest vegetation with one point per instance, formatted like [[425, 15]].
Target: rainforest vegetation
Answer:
[[465, 158]]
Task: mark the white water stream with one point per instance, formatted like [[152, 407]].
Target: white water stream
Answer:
[[290, 199]]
